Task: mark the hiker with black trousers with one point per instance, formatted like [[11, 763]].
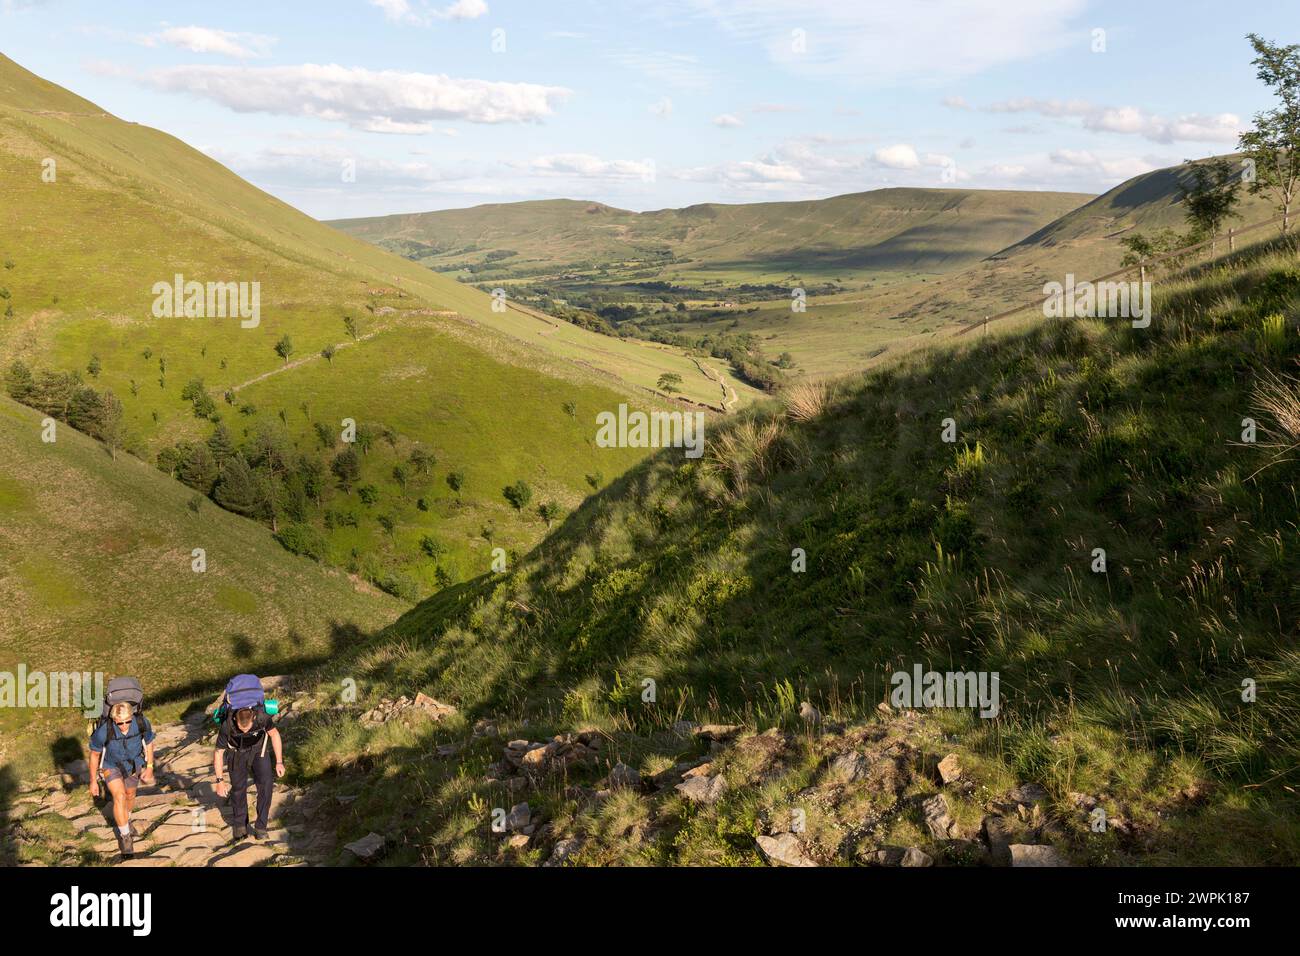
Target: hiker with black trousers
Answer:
[[121, 757], [253, 746]]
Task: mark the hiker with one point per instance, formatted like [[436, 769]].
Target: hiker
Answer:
[[246, 735], [121, 754]]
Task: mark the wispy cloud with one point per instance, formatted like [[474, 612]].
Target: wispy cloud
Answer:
[[1130, 120], [386, 101], [423, 14], [885, 41], [242, 46], [673, 69], [727, 121]]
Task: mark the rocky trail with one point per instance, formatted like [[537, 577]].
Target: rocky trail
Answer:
[[181, 819]]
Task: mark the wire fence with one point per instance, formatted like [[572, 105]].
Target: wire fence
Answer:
[[1142, 266]]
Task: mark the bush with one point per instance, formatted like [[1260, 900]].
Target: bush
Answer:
[[303, 539]]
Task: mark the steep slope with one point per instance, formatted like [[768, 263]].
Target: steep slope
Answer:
[[820, 548], [98, 210], [131, 206], [931, 230], [97, 574]]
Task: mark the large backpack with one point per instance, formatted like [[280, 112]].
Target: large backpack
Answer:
[[121, 689], [245, 691]]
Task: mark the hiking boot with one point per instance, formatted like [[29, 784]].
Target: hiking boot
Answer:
[[126, 845], [238, 833], [259, 833]]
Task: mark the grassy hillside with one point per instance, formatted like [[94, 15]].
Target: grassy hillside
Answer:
[[889, 230], [1122, 686], [846, 329], [430, 363], [96, 575]]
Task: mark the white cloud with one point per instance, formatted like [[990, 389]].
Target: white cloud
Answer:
[[586, 166], [402, 11], [727, 121], [242, 46], [900, 156], [378, 101], [1131, 120], [956, 102], [760, 172], [888, 42]]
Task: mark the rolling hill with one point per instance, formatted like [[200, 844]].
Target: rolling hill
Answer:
[[98, 211], [885, 230], [826, 543]]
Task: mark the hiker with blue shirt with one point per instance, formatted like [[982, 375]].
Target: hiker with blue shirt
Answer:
[[121, 754], [246, 735]]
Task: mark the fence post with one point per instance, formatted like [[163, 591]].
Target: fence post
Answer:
[[1143, 269], [1232, 241]]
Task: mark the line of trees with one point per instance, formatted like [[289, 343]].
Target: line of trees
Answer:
[[64, 397]]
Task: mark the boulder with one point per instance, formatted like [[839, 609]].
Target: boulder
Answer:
[[1026, 854], [563, 850], [915, 857], [949, 769], [809, 714], [784, 849], [518, 817], [703, 790], [434, 709], [937, 819], [367, 847], [623, 776]]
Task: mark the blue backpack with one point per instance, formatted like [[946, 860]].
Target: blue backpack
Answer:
[[245, 691]]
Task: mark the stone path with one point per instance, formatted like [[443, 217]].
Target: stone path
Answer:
[[182, 820]]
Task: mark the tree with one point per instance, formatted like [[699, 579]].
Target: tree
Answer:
[[20, 384], [549, 511], [346, 468], [456, 481], [1273, 144], [93, 366], [110, 427], [198, 468], [369, 494], [422, 461], [350, 325], [1211, 197], [400, 476], [221, 444], [327, 353], [571, 409], [670, 382], [237, 489], [432, 547], [388, 523], [518, 494], [324, 435], [284, 348], [365, 437]]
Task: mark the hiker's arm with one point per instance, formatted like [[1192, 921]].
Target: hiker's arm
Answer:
[[278, 746], [146, 775], [219, 768], [94, 773]]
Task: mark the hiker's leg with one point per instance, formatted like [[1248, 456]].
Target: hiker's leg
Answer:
[[130, 788], [239, 789], [117, 792], [264, 774]]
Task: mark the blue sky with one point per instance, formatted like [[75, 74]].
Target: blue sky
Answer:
[[368, 107]]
